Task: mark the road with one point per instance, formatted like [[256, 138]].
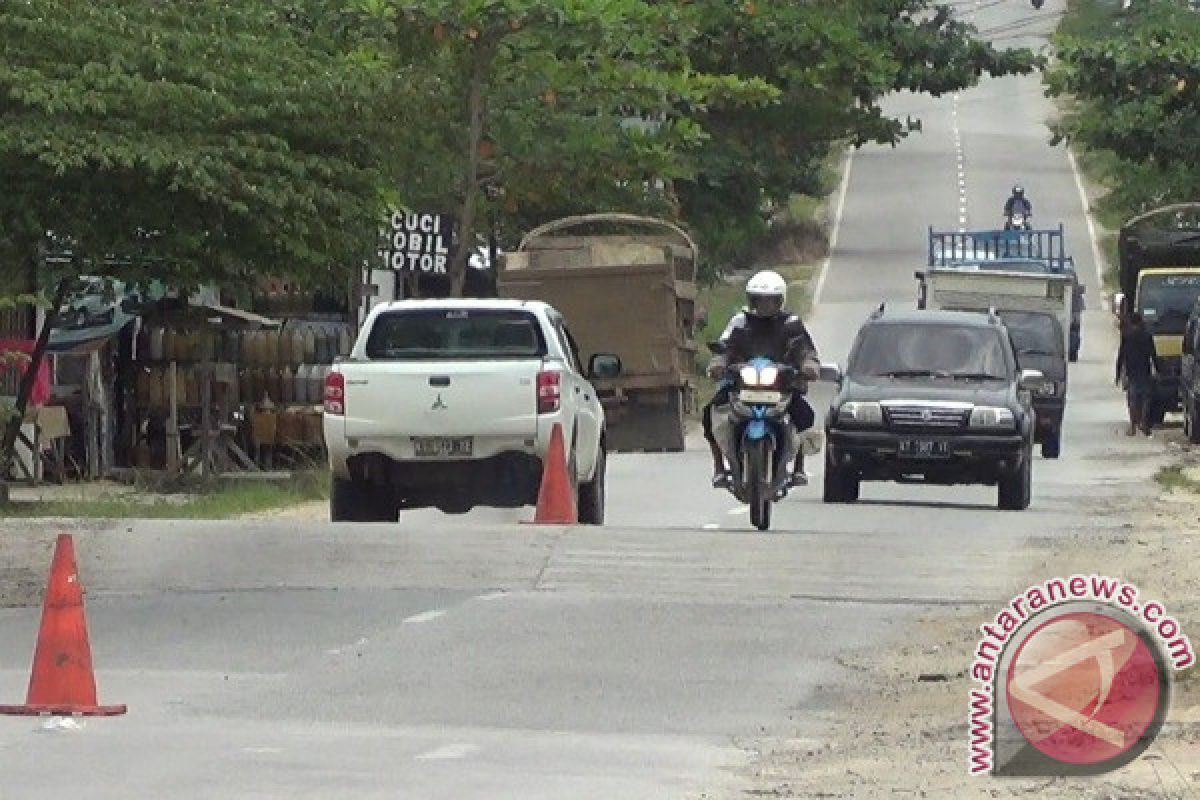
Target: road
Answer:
[[474, 658]]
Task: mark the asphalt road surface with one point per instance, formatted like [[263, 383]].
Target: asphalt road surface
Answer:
[[474, 658]]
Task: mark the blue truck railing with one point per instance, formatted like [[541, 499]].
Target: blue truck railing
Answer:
[[1047, 245]]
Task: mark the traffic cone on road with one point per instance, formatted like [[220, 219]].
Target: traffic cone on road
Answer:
[[556, 497], [62, 682]]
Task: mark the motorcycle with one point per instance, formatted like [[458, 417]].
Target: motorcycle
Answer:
[[756, 434], [1018, 221]]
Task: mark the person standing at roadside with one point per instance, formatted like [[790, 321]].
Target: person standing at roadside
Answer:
[[1137, 363]]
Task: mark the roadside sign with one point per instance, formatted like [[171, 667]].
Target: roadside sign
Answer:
[[417, 242]]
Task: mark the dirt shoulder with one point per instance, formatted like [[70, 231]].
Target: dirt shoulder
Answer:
[[901, 731]]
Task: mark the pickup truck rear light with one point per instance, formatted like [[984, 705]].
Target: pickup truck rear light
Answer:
[[335, 393], [549, 394]]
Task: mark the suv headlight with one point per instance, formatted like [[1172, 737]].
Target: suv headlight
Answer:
[[992, 417], [860, 413], [755, 377]]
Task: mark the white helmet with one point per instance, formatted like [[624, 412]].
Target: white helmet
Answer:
[[766, 294]]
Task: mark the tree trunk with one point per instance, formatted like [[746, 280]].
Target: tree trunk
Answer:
[[481, 65], [9, 441]]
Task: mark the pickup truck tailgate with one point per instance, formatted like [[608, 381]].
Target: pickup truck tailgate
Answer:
[[386, 399]]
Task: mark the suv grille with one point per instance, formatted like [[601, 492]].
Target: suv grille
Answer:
[[925, 417]]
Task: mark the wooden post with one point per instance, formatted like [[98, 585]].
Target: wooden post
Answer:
[[206, 449], [173, 456]]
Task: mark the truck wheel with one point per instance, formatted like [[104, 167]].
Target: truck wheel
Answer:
[[591, 494], [1158, 412], [1074, 355], [1189, 420], [1052, 444], [350, 501], [1015, 490]]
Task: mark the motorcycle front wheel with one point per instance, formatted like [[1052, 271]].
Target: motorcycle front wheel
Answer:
[[759, 456]]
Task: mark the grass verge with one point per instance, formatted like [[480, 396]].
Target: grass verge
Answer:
[[222, 499], [1175, 477]]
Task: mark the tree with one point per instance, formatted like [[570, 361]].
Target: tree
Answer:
[[565, 105], [1136, 92], [833, 61], [191, 142]]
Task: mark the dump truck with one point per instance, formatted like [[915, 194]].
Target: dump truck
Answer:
[[1159, 271], [626, 285], [1039, 251]]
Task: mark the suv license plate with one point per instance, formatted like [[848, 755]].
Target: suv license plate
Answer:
[[924, 448], [764, 397], [443, 447]]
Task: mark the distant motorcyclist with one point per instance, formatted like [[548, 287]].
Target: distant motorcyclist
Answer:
[[1017, 203], [763, 329]]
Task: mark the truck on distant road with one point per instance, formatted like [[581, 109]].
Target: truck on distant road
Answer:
[[1039, 251], [1159, 255], [452, 403], [1036, 309], [627, 286]]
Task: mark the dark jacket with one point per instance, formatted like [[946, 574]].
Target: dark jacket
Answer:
[[782, 338], [1137, 358], [1010, 205]]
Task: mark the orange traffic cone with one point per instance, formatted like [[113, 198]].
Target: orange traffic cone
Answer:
[[62, 682], [556, 497]]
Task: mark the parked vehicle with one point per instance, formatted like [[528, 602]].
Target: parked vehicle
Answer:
[[1014, 251], [1036, 308], [451, 404], [932, 397], [1160, 278], [631, 292], [1189, 376]]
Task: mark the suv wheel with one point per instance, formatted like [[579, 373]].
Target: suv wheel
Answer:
[[1015, 490], [1189, 420], [350, 501], [841, 485], [1052, 444]]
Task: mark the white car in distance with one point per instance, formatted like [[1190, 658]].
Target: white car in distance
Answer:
[[451, 404]]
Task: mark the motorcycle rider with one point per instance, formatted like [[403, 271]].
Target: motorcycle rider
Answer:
[[763, 329], [1017, 203]]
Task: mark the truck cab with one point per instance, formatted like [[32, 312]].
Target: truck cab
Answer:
[[1160, 278]]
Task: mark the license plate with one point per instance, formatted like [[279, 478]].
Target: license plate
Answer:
[[924, 448], [759, 396], [443, 447]]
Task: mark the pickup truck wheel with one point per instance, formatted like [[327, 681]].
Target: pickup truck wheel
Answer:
[[1074, 355], [1015, 490], [591, 494], [1052, 444], [350, 501]]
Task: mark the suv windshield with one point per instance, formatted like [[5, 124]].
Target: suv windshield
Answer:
[[1033, 334], [913, 350], [1166, 300], [450, 333]]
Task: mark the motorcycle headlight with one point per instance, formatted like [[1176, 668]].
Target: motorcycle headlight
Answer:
[[756, 377], [992, 417], [860, 413]]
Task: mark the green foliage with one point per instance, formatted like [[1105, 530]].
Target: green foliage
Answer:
[[197, 141], [1135, 86], [832, 62]]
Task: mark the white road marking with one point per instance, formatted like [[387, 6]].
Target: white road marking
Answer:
[[1097, 255], [450, 751], [833, 233], [337, 651], [425, 616], [710, 526], [262, 750], [492, 595], [733, 512]]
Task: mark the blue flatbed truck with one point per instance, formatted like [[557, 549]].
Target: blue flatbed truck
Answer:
[[1042, 250]]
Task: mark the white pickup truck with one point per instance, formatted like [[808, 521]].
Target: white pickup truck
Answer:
[[451, 404]]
